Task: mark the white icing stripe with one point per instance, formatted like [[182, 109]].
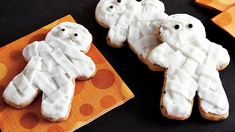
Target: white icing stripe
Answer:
[[191, 60], [190, 51], [146, 30], [59, 77], [129, 14], [185, 81], [207, 71], [211, 97], [133, 34], [52, 97], [190, 67], [116, 35], [177, 57], [47, 65], [33, 52], [61, 44], [44, 84], [212, 56], [61, 60], [21, 82], [34, 63], [175, 87]]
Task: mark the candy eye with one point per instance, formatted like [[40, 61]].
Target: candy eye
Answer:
[[177, 26], [111, 8], [138, 0], [119, 1], [190, 25], [62, 32], [76, 37]]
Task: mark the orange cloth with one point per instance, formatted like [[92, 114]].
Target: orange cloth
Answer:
[[226, 19], [220, 5], [92, 98]]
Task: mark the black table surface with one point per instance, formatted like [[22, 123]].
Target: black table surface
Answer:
[[141, 114]]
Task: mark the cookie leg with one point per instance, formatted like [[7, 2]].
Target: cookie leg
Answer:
[[21, 92], [177, 95], [57, 96], [213, 102]]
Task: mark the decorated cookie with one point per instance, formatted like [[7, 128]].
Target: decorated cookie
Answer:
[[133, 21], [191, 63], [53, 65]]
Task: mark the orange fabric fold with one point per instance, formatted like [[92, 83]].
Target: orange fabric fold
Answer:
[[92, 98], [220, 5], [226, 19]]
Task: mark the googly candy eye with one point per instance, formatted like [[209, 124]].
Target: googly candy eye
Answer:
[[111, 8], [62, 32], [75, 37], [190, 25], [177, 27]]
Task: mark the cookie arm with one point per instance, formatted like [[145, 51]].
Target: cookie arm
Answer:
[[117, 36], [83, 63], [217, 55], [159, 56], [223, 57], [36, 49]]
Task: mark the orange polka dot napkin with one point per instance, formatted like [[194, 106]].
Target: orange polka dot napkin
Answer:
[[226, 19], [92, 98]]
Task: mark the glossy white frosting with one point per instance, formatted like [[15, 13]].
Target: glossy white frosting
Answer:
[[191, 61], [132, 21], [52, 67]]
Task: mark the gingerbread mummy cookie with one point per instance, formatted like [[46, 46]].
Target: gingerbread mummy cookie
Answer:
[[53, 65], [133, 21], [191, 63]]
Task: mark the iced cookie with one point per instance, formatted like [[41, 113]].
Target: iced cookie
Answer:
[[190, 62], [53, 65], [134, 21]]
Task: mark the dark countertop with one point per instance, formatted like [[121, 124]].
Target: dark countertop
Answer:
[[142, 114]]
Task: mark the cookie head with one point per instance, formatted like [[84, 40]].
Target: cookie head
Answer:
[[108, 12], [181, 27], [157, 5], [72, 34]]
